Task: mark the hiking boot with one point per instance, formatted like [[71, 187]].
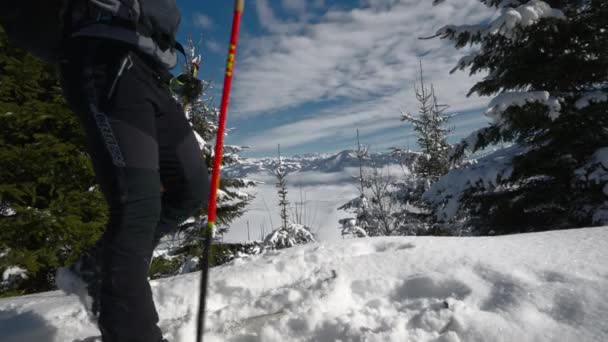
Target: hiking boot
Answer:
[[83, 279]]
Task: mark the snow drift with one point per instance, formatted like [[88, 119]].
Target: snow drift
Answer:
[[532, 287]]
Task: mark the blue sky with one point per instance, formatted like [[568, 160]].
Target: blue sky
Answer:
[[311, 72]]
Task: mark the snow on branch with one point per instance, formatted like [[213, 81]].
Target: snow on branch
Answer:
[[525, 15], [351, 227], [596, 171], [292, 235], [503, 101], [356, 203], [591, 97], [464, 62], [447, 193], [510, 18]]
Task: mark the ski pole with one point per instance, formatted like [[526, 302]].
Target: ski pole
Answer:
[[217, 163]]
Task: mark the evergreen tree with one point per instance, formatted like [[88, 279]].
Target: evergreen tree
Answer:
[[290, 233], [181, 249], [547, 65], [281, 173], [232, 201], [50, 208], [357, 226], [375, 207], [351, 227], [204, 117], [430, 164], [382, 210], [430, 127]]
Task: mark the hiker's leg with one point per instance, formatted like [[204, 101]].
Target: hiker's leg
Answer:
[[182, 167], [121, 139]]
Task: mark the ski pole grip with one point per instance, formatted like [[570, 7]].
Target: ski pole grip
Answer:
[[239, 5]]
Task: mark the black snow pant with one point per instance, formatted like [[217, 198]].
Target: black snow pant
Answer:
[[148, 164]]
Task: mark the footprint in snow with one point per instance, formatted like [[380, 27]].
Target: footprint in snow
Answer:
[[393, 246], [426, 287]]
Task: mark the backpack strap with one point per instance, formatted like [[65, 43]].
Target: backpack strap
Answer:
[[180, 48]]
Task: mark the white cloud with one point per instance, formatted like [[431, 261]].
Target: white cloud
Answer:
[[214, 46], [295, 6], [203, 21], [270, 22], [318, 4], [365, 59], [371, 117]]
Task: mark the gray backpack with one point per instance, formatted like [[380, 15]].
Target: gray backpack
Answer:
[[40, 26]]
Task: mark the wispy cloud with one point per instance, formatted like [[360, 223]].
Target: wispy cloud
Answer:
[[269, 20], [295, 6], [371, 117], [214, 46], [365, 59], [203, 21]]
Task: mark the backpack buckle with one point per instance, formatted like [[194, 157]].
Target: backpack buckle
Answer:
[[103, 18]]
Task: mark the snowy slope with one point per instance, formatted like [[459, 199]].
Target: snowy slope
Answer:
[[549, 286]]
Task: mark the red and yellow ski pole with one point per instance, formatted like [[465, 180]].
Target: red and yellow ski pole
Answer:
[[217, 164]]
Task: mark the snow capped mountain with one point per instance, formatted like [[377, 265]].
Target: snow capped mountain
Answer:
[[321, 162]]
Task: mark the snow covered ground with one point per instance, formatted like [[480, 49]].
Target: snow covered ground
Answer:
[[548, 286]]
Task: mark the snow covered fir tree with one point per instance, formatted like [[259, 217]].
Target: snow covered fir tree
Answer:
[[232, 199], [375, 208], [204, 115], [357, 226], [430, 125], [394, 205], [179, 252], [546, 65], [290, 233], [281, 174]]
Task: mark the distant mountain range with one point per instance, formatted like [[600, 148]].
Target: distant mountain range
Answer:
[[319, 162]]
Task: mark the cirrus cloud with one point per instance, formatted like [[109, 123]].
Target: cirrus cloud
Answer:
[[358, 65]]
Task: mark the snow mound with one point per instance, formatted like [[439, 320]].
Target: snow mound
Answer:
[[532, 287]]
